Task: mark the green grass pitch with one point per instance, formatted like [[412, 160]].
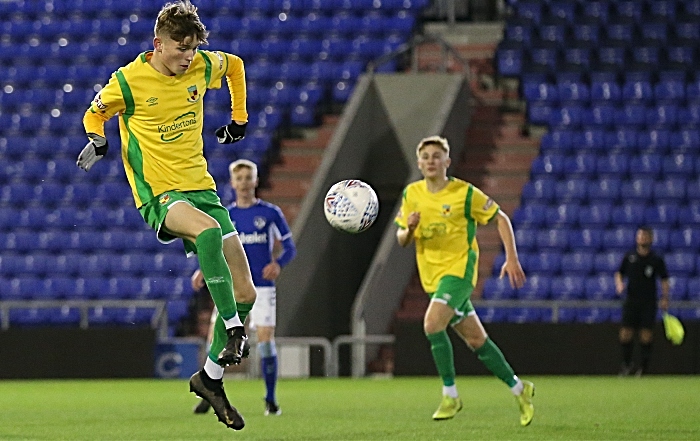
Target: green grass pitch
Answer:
[[566, 408]]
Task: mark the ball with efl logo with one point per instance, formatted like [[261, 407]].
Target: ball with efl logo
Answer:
[[351, 206]]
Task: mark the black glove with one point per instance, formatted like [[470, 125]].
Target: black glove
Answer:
[[92, 152], [231, 133]]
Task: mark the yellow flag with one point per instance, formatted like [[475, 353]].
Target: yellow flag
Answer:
[[674, 329]]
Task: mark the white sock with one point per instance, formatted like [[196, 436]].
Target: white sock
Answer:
[[233, 322], [450, 391], [518, 388], [212, 369]]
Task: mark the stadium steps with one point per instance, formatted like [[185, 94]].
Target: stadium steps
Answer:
[[291, 176]]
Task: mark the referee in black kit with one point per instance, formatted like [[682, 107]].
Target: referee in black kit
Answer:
[[641, 267]]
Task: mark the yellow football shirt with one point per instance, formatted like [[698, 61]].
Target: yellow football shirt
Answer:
[[447, 228], [160, 120]]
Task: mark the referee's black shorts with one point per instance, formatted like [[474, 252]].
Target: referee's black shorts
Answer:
[[639, 314]]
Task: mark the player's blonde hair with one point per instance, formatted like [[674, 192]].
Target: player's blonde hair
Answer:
[[179, 20], [433, 140], [242, 163]]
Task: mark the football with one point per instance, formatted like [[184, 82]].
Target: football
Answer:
[[351, 206]]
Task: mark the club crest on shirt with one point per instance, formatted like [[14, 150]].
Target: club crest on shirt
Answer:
[[164, 199], [259, 222], [446, 210], [193, 94]]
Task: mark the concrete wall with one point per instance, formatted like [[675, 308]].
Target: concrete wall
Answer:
[[374, 141]]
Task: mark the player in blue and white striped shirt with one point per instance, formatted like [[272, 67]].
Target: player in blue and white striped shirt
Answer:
[[260, 225]]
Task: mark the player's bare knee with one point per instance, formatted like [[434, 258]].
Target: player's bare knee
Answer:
[[245, 294]]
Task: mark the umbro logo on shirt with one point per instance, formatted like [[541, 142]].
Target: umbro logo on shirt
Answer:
[[152, 101]]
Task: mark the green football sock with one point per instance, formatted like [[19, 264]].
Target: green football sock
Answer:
[[441, 346], [243, 310], [493, 359], [216, 273]]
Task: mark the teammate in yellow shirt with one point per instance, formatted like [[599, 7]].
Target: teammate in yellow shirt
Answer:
[[440, 214], [159, 100]]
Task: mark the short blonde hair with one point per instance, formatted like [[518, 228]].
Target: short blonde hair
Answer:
[[433, 140], [179, 20], [242, 163]]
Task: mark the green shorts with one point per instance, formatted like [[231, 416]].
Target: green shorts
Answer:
[[456, 292], [154, 211]]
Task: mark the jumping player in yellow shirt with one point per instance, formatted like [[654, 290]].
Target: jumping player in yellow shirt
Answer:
[[440, 214], [159, 100]]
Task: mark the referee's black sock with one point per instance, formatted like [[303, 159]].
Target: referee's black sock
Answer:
[[627, 349], [646, 355]]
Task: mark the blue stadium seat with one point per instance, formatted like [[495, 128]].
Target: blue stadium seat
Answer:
[[517, 30], [685, 141], [661, 215], [668, 190], [564, 314], [497, 289], [662, 115], [538, 190], [610, 169], [29, 316], [662, 237], [636, 91], [567, 287], [630, 214], [578, 262], [680, 263], [540, 91], [689, 116], [545, 263], [596, 215], [491, 315], [64, 316], [582, 164], [639, 189], [530, 215], [574, 189], [687, 238], [679, 166], [647, 166], [663, 9], [556, 239], [590, 140], [564, 214], [693, 292], [539, 113], [592, 315], [526, 239], [536, 287], [669, 91], [598, 115], [585, 239], [556, 141], [62, 286], [601, 287], [653, 141], [509, 61], [584, 31], [605, 91], [678, 288], [550, 165], [525, 315], [623, 139], [608, 262], [620, 238]]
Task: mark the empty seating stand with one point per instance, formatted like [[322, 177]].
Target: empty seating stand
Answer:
[[615, 85]]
